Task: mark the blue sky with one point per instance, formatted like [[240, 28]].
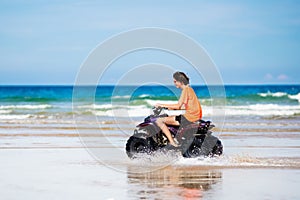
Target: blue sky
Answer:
[[251, 42]]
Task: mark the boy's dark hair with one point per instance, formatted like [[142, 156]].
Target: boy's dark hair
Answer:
[[181, 77]]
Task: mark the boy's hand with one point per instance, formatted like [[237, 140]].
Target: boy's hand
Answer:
[[158, 105]]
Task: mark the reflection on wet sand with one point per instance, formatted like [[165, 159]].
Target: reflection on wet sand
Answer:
[[172, 183]]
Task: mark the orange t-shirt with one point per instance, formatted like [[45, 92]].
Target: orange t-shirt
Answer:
[[191, 103]]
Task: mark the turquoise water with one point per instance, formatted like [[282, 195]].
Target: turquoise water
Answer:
[[243, 94], [57, 101]]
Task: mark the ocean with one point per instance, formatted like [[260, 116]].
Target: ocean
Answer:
[[65, 142], [56, 102]]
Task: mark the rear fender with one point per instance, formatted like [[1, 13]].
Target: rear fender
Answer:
[[205, 125]]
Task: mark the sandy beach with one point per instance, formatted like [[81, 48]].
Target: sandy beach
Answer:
[[48, 159]]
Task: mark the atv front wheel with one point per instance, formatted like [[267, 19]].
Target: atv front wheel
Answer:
[[136, 145]]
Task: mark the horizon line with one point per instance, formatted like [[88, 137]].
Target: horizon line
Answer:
[[108, 84]]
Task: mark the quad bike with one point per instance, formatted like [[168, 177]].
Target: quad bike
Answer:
[[195, 139]]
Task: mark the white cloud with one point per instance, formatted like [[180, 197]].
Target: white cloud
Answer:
[[268, 77], [282, 77]]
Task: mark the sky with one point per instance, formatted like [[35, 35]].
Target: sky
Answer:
[[250, 42]]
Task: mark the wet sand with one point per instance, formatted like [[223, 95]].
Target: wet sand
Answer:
[[49, 159]]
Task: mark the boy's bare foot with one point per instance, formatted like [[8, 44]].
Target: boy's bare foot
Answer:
[[174, 144]]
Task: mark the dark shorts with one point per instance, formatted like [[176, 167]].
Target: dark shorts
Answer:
[[182, 120]]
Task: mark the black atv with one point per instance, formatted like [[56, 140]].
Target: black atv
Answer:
[[195, 139]]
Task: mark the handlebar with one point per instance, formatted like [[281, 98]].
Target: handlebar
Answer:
[[157, 110]]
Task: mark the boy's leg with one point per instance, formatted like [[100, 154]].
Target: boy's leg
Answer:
[[161, 123]]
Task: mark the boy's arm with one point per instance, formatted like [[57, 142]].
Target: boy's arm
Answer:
[[181, 102]]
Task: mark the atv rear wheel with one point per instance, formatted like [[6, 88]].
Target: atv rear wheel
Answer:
[[212, 146], [192, 149], [203, 146]]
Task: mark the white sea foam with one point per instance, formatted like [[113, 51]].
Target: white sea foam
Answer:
[[208, 111], [270, 94], [263, 110], [24, 116], [96, 106], [28, 107], [144, 96], [296, 96], [154, 102], [280, 94], [121, 97], [224, 161], [240, 160], [11, 117], [112, 110], [5, 111], [109, 106], [131, 111]]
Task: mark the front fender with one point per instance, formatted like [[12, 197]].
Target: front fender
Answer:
[[140, 133], [146, 131]]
